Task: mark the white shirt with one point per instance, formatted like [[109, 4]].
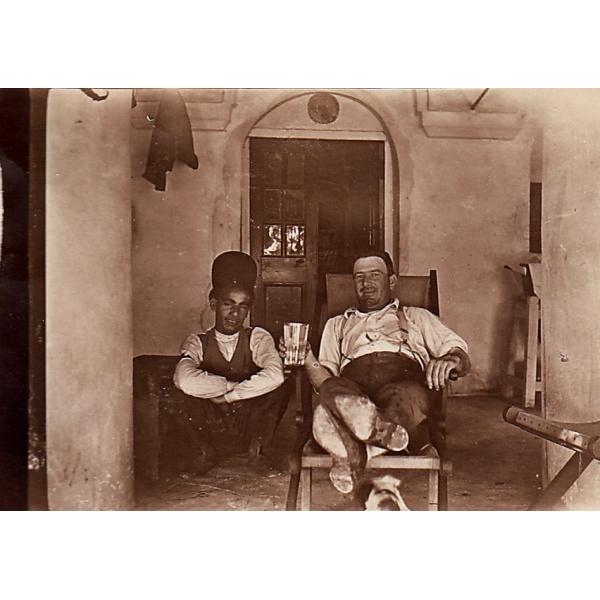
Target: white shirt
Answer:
[[354, 334], [194, 381]]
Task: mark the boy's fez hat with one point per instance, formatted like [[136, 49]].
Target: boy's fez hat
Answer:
[[234, 268]]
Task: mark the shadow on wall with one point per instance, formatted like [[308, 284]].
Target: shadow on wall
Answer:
[[14, 293]]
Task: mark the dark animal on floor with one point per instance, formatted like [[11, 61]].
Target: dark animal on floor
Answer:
[[380, 493]]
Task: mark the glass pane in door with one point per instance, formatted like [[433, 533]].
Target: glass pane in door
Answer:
[[272, 240], [293, 205], [294, 240], [272, 205]]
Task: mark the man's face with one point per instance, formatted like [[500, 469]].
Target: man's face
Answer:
[[372, 284], [231, 307]]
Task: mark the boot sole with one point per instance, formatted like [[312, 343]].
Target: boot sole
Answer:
[[363, 419], [326, 433], [343, 478]]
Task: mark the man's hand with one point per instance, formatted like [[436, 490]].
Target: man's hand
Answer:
[[315, 372], [219, 400], [282, 350], [438, 371]]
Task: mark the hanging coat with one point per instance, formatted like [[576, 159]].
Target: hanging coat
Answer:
[[171, 139]]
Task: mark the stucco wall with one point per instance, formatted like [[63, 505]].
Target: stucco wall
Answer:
[[463, 209], [467, 217], [572, 273], [88, 302]]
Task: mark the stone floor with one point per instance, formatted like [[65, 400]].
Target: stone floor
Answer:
[[496, 466]]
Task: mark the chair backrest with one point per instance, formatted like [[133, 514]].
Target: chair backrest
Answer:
[[411, 290]]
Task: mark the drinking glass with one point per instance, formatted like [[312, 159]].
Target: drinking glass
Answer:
[[295, 337]]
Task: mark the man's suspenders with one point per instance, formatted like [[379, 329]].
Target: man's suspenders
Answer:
[[402, 322]]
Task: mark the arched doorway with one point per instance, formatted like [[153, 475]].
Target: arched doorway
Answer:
[[315, 193]]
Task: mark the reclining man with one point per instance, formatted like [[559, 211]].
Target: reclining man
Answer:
[[232, 375], [375, 366]]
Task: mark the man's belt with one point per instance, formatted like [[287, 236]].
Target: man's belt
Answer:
[[411, 362]]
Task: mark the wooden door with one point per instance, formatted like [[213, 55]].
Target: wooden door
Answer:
[[311, 202], [283, 225]]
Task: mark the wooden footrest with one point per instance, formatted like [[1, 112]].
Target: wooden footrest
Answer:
[[416, 463]]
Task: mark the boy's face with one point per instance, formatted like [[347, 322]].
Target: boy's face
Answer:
[[231, 307]]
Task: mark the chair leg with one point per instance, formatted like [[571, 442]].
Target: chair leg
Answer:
[[434, 480], [295, 462], [531, 350], [443, 492], [562, 481], [292, 495], [508, 389], [305, 488]]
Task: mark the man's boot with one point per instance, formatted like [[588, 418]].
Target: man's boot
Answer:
[[349, 456], [365, 421]]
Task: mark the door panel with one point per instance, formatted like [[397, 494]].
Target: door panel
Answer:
[[283, 303]]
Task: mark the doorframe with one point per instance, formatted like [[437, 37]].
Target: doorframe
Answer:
[[390, 224]]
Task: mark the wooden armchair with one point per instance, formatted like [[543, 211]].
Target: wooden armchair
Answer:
[[307, 455]]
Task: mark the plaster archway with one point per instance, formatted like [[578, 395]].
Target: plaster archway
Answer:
[[235, 170]]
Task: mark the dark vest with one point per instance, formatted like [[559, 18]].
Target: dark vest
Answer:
[[240, 367]]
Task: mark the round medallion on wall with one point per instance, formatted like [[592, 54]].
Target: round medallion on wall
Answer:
[[323, 108]]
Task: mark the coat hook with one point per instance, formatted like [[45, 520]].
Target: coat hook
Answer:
[[90, 93], [479, 98]]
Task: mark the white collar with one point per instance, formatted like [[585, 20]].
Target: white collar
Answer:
[[223, 337], [395, 303]]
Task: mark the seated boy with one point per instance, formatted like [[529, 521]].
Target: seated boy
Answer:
[[232, 376]]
